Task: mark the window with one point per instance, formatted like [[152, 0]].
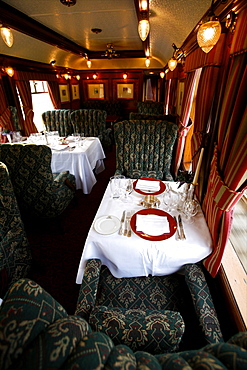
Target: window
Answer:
[[234, 260], [41, 102]]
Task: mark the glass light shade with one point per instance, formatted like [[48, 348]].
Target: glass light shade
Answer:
[[125, 76], [94, 76], [143, 5], [162, 74], [89, 63], [7, 36], [172, 64], [78, 77], [208, 35], [147, 62], [143, 29], [9, 71]]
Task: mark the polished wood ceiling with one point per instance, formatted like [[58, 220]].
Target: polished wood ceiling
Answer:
[[46, 30]]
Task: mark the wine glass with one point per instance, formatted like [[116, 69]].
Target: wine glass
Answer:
[[127, 187], [190, 209], [170, 199]]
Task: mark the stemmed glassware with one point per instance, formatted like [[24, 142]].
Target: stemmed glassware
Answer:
[[115, 185], [127, 187], [190, 206], [170, 199]]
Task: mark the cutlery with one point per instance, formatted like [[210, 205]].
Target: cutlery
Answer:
[[183, 237], [128, 224], [178, 237], [122, 223]]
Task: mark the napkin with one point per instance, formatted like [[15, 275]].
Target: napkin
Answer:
[[152, 224], [148, 185], [59, 147]]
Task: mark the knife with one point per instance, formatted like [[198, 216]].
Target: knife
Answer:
[[178, 237], [122, 223], [182, 234]]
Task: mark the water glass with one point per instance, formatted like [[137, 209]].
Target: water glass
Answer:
[[190, 209], [115, 185]]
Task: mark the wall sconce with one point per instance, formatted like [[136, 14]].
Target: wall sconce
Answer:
[[95, 76], [143, 25], [125, 76], [78, 77], [53, 62], [9, 70], [162, 74], [172, 64], [66, 76], [147, 62], [89, 63], [209, 33], [7, 36]]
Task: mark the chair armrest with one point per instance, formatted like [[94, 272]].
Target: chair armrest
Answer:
[[203, 303], [88, 290]]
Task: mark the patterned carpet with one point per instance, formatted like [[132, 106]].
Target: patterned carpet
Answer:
[[56, 245]]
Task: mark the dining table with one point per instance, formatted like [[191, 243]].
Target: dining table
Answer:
[[141, 254], [83, 160]]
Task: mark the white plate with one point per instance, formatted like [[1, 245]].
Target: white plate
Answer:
[[107, 225]]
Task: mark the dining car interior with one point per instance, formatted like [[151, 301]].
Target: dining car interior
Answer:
[[123, 187]]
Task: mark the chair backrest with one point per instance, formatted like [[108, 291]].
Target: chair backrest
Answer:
[[15, 255], [58, 120], [32, 179], [150, 107], [90, 122], [158, 117], [144, 148]]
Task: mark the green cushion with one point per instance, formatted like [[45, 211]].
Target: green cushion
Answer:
[[149, 330]]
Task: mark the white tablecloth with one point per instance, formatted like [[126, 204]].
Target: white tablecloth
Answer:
[[81, 162], [134, 256]]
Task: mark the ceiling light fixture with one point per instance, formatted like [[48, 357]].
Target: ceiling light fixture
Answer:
[[7, 36], [143, 25], [68, 2], [209, 32], [110, 52], [89, 63]]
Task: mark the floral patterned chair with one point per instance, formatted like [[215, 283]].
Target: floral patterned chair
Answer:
[[109, 304], [15, 255], [150, 107], [38, 191], [58, 120], [145, 148], [35, 330], [160, 117], [91, 122]]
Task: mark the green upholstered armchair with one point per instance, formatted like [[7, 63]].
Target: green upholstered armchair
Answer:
[[160, 117], [145, 148], [38, 191], [150, 107], [186, 294], [58, 120], [92, 122], [36, 331], [15, 255]]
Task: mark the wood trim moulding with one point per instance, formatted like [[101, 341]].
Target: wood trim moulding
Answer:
[[24, 24]]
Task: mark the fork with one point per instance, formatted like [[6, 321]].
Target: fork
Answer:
[[127, 231]]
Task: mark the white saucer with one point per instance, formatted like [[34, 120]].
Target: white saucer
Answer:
[[107, 225]]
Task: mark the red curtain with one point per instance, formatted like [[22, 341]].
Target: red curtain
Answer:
[[5, 113], [227, 179], [185, 122], [54, 94], [204, 103], [26, 98]]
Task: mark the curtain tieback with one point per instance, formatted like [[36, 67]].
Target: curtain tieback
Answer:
[[224, 197]]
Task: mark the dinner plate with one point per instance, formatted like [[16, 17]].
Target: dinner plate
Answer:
[[107, 225], [162, 187], [154, 211]]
